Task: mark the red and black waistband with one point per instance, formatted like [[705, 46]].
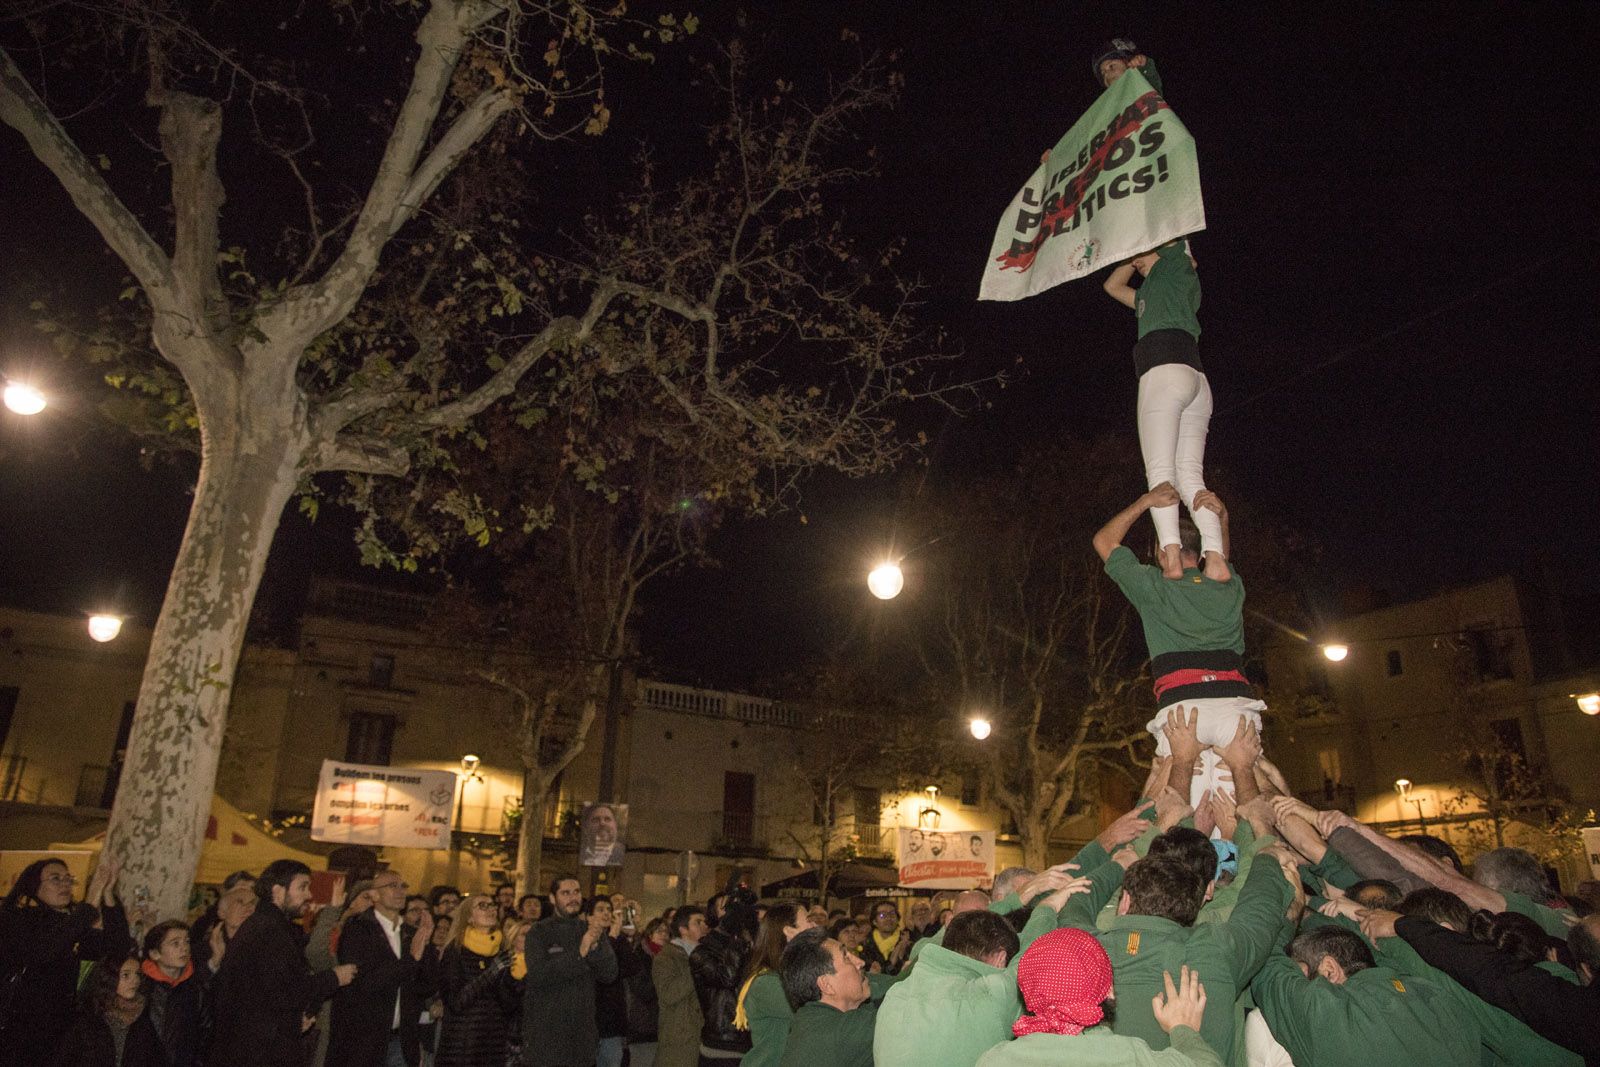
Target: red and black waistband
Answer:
[[1181, 676]]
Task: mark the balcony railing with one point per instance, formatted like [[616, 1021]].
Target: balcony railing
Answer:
[[739, 707]]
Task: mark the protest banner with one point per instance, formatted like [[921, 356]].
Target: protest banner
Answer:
[[1591, 850], [363, 805], [948, 859], [1123, 180]]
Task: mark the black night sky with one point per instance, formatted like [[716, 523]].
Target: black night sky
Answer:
[[1401, 315]]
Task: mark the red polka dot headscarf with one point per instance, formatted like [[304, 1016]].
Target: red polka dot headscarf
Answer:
[[1064, 976]]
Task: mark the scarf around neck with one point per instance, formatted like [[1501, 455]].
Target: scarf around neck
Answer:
[[482, 942]]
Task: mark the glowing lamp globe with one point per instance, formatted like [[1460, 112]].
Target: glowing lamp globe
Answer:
[[980, 728], [104, 628], [1336, 653], [1589, 703], [23, 399], [886, 581]]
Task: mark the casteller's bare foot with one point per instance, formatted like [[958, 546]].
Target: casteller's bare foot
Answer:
[[1171, 561], [1217, 568]]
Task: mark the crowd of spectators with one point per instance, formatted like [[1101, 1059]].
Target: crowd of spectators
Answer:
[[1255, 930]]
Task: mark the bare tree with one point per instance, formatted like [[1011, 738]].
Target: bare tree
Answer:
[[1021, 626], [348, 362], [823, 829]]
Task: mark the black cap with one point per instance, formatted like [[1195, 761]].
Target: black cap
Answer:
[[1116, 48]]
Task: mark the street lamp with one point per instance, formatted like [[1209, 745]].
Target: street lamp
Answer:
[[469, 773], [105, 628], [980, 727], [886, 580], [929, 817], [1336, 652], [1403, 787], [1588, 703], [23, 398]]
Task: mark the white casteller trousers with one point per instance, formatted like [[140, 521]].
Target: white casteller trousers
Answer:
[[1261, 1049], [1174, 415], [1218, 722]]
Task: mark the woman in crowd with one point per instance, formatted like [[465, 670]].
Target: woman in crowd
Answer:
[[481, 973], [44, 940], [113, 1027], [176, 992], [762, 1009], [655, 935]]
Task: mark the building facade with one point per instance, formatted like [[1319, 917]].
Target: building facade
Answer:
[[1453, 714], [716, 783]]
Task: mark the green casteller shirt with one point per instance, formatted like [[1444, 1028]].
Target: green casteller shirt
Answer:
[[1549, 919], [1169, 296], [1377, 1017], [770, 1016], [1100, 1047], [1225, 955], [822, 1034], [1220, 906], [1088, 858], [952, 1008], [1191, 614], [1507, 1041]]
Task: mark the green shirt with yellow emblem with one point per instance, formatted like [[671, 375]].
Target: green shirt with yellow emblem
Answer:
[[1225, 955], [1191, 614], [1377, 1016]]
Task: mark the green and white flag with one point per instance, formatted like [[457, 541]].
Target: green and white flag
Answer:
[[1122, 181]]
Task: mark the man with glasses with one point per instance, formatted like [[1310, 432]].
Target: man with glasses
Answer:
[[375, 1019]]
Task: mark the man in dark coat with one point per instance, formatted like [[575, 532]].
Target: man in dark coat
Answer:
[[566, 956], [264, 988], [375, 1017]]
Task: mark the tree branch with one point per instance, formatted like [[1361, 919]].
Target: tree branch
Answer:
[[467, 130], [558, 332], [23, 111], [311, 308], [360, 455], [191, 127]]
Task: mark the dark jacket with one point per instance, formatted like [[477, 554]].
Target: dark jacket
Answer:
[[558, 998], [363, 1011], [261, 992], [871, 955], [718, 968], [611, 998], [641, 999], [480, 1001], [178, 1010], [47, 947], [1557, 1010], [89, 1044]]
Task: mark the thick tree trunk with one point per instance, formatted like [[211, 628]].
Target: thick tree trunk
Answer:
[[1035, 845], [249, 466], [530, 835]]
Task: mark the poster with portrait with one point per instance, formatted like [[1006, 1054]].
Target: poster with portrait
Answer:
[[945, 859], [601, 832]]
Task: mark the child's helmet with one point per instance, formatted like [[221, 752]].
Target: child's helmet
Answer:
[[1116, 48]]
